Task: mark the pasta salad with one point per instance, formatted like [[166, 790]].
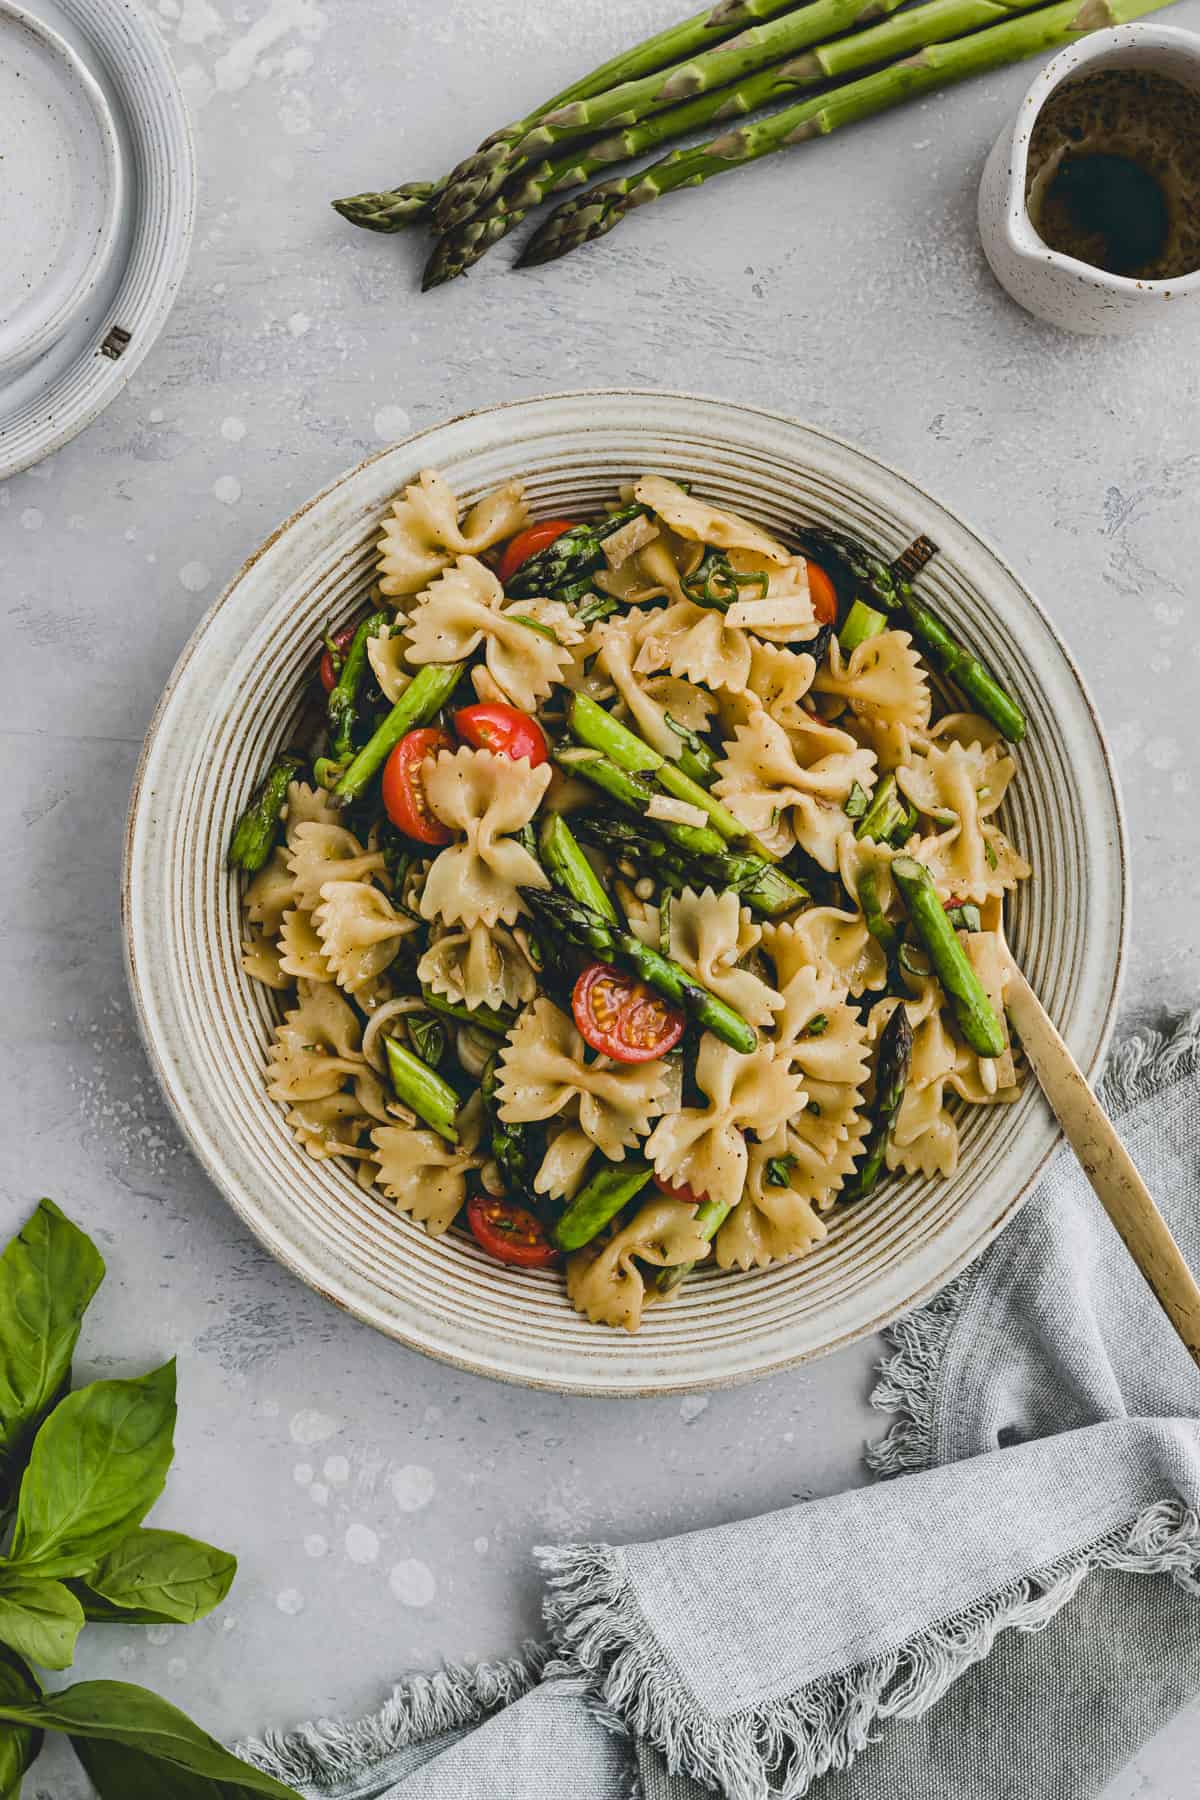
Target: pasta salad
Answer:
[[631, 898]]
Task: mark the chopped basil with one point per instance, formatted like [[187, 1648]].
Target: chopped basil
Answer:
[[779, 1171], [816, 1025], [427, 1036], [857, 802]]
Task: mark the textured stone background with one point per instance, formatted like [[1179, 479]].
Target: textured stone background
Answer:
[[383, 1507]]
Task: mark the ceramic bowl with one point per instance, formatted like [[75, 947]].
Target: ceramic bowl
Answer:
[[230, 703], [60, 198]]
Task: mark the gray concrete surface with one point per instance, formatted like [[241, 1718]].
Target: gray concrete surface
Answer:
[[384, 1507]]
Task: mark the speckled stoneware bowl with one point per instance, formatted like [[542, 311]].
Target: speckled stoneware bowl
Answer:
[[231, 702]]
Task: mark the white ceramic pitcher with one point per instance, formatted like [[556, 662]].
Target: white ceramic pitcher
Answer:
[[1058, 288]]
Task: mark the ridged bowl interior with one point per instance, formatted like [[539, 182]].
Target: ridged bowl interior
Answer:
[[230, 703]]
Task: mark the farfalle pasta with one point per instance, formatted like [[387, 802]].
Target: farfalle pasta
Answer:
[[631, 873]]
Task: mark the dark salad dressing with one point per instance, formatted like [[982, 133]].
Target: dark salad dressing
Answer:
[[1114, 173]]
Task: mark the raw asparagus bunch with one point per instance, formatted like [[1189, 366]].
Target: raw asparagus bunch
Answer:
[[937, 65]]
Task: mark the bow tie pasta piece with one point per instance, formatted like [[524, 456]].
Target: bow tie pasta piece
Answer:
[[270, 893], [655, 572], [801, 779], [882, 679], [822, 1037], [604, 1281], [562, 1169], [487, 798], [710, 934], [300, 953], [320, 854], [542, 1073], [527, 644], [317, 1045], [425, 1176], [339, 1124], [779, 680], [704, 1147], [649, 704], [423, 535], [696, 644], [260, 959], [361, 932], [924, 1139], [478, 965], [702, 523], [771, 1222], [308, 806], [956, 789], [389, 665], [837, 944]]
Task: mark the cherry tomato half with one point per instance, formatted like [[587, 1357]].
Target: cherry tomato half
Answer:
[[623, 1018], [403, 795], [823, 595], [510, 1233], [342, 641], [505, 729], [527, 543], [679, 1190]]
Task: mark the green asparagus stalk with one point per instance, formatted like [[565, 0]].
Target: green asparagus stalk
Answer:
[[343, 698], [260, 825], [599, 1201], [887, 583], [572, 555], [395, 209], [565, 863], [485, 1017], [418, 1086], [515, 1148], [425, 695], [973, 1010], [592, 726], [710, 1216], [893, 1061], [479, 176], [595, 212], [890, 818], [862, 622], [765, 887], [590, 931]]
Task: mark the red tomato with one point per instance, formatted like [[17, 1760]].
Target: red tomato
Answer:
[[527, 543], [510, 1233], [679, 1190], [343, 640], [504, 729], [403, 795], [823, 595], [623, 1018]]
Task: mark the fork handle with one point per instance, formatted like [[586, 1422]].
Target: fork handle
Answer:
[[1106, 1162]]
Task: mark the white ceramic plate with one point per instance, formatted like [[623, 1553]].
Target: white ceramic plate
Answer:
[[91, 318], [229, 705]]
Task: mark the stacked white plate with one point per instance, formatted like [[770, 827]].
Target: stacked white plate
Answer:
[[96, 210]]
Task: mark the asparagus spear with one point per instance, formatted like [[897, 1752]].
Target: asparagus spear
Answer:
[[395, 209], [885, 582], [763, 886], [591, 931], [710, 1216], [425, 695], [890, 818], [591, 725], [976, 1017], [343, 697], [892, 1064], [485, 1017], [575, 554], [595, 212], [255, 833], [566, 864], [862, 622], [478, 177], [515, 1148], [613, 1186], [418, 1086]]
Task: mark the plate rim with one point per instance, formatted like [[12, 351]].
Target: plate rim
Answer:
[[54, 426], [390, 1329]]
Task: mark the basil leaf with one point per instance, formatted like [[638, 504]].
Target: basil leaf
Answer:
[[48, 1275], [98, 1465], [779, 1171], [159, 1575], [115, 1712], [40, 1620], [427, 1036], [19, 1745], [119, 1773]]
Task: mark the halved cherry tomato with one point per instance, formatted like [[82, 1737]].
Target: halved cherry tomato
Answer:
[[403, 795], [679, 1190], [623, 1018], [505, 729], [342, 641], [823, 595], [510, 1233], [527, 543]]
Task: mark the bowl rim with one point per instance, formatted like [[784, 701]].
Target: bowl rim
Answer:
[[395, 1331]]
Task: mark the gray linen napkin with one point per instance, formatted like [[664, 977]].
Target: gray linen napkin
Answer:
[[992, 1621]]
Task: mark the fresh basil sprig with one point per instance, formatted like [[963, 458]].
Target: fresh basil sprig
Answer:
[[78, 1474]]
